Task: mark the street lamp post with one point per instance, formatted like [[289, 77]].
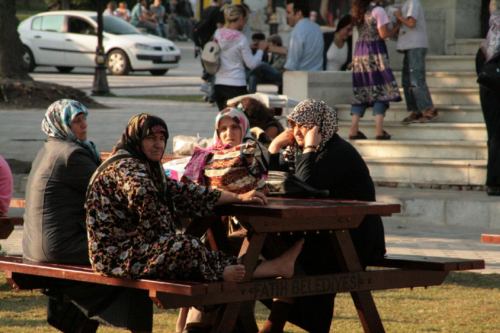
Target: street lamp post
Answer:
[[273, 20], [100, 86]]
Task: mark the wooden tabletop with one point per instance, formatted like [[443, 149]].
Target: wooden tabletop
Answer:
[[306, 208]]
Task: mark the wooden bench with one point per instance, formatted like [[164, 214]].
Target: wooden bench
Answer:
[[24, 274], [485, 238], [7, 223]]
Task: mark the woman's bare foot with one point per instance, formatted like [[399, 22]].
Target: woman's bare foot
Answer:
[[286, 262], [282, 266], [234, 273]]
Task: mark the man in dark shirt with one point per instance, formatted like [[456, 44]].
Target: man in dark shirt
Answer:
[[211, 19], [183, 17]]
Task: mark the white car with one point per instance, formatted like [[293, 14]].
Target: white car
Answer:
[[68, 39]]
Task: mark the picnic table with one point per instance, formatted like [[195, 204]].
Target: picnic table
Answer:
[[264, 223]]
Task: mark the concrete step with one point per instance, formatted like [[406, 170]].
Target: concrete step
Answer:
[[442, 207], [452, 96], [450, 63], [429, 131], [446, 79], [427, 171], [465, 46], [397, 112], [470, 150]]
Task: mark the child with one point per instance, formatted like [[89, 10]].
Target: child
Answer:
[[413, 42], [373, 81]]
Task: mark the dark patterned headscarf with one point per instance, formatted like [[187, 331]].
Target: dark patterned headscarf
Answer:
[[310, 113], [57, 124], [139, 127]]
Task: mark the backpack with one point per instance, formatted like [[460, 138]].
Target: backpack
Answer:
[[210, 57]]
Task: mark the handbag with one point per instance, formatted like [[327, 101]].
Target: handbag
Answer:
[[237, 169], [489, 76], [285, 184], [210, 57]]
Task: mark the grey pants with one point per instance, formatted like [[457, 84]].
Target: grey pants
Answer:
[[417, 95]]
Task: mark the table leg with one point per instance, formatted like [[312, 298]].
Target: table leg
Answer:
[[228, 314], [363, 300]]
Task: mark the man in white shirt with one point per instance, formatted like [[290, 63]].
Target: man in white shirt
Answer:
[[412, 40]]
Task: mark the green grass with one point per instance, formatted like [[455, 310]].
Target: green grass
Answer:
[[466, 302], [176, 98]]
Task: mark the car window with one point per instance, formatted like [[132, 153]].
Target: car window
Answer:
[[36, 24], [117, 26], [52, 23], [79, 26]]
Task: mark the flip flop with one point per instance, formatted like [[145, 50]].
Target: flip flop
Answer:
[[386, 136], [359, 136]]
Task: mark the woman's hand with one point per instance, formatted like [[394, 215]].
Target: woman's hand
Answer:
[[282, 140], [313, 138], [253, 197]]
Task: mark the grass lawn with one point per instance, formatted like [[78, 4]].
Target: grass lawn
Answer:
[[467, 302]]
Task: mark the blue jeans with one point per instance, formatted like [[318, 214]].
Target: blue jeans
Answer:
[[263, 73], [417, 95], [151, 28], [378, 108]]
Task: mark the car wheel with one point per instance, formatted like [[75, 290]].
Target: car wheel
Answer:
[[158, 72], [29, 60], [118, 63], [64, 69]]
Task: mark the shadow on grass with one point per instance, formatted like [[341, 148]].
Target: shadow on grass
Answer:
[[474, 280]]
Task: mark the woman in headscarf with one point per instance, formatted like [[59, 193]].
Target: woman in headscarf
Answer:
[[315, 153], [130, 195], [490, 102], [232, 128], [55, 228]]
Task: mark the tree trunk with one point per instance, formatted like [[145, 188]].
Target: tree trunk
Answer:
[[12, 65]]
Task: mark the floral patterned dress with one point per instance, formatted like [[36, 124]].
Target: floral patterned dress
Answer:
[[373, 80], [124, 199]]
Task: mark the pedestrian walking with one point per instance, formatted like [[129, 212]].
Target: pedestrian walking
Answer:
[[412, 41], [373, 81]]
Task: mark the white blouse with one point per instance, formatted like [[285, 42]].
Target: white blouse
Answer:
[[335, 57]]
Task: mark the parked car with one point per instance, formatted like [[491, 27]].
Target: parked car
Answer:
[[68, 39]]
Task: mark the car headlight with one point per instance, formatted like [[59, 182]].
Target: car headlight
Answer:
[[143, 47]]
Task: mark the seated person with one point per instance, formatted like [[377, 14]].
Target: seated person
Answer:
[[6, 185], [159, 13], [337, 54], [183, 17], [271, 72], [122, 11], [110, 10], [55, 228], [132, 195], [231, 128], [256, 38], [322, 159], [140, 19], [260, 117]]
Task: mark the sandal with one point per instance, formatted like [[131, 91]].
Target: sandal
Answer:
[[429, 116], [359, 136], [412, 118], [386, 136]]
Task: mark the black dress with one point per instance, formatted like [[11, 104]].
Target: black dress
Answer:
[[490, 104], [340, 169]]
